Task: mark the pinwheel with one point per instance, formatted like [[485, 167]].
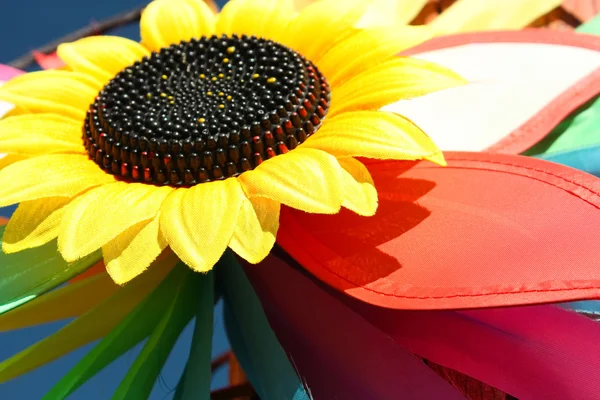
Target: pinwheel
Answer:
[[265, 171]]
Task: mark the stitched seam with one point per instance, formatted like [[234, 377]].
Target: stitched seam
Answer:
[[565, 100], [307, 254]]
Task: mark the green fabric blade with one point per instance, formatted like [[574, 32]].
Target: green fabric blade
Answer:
[[592, 26], [580, 128], [252, 339], [140, 378], [134, 328], [30, 273], [195, 381], [91, 326]]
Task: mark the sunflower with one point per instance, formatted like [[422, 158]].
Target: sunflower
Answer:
[[194, 138]]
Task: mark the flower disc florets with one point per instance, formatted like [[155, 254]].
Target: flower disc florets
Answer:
[[205, 109]]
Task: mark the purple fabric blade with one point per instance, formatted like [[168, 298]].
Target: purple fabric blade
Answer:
[[338, 354]]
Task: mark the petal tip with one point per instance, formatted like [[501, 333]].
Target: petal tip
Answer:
[[437, 158]]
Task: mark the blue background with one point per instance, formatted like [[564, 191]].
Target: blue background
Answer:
[[24, 26]]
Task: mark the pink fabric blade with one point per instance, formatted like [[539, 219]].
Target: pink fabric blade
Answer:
[[338, 354], [8, 72], [535, 352]]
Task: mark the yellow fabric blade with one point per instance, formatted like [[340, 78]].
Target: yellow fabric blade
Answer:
[[368, 48], [266, 18], [101, 214], [90, 326], [64, 175], [101, 57], [69, 301], [256, 229], [360, 194], [34, 223], [320, 25], [476, 15], [199, 222], [34, 134], [167, 22], [391, 12], [60, 92], [130, 253], [398, 79], [305, 179], [374, 134]]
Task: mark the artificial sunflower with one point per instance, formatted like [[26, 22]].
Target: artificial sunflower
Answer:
[[194, 138]]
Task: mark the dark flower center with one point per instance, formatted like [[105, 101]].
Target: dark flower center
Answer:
[[206, 109]]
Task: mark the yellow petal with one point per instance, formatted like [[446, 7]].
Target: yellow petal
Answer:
[[368, 48], [320, 25], [8, 159], [397, 79], [167, 22], [360, 194], [92, 325], [101, 56], [374, 134], [101, 214], [33, 224], [64, 175], [392, 12], [256, 229], [130, 253], [305, 179], [476, 15], [35, 134], [68, 301], [61, 92], [199, 222], [265, 18]]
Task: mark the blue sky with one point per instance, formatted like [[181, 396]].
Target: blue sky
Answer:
[[25, 25]]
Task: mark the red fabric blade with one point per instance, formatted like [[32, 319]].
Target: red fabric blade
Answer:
[[48, 61], [488, 230]]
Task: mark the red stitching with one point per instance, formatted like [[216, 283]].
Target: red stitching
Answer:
[[307, 254]]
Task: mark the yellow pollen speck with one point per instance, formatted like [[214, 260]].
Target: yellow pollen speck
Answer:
[[201, 120], [226, 60], [209, 93], [170, 97], [149, 95], [221, 76], [163, 95], [202, 76], [229, 98], [221, 106], [255, 76], [214, 78], [271, 80], [231, 50], [164, 77], [242, 81], [221, 94], [171, 102]]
